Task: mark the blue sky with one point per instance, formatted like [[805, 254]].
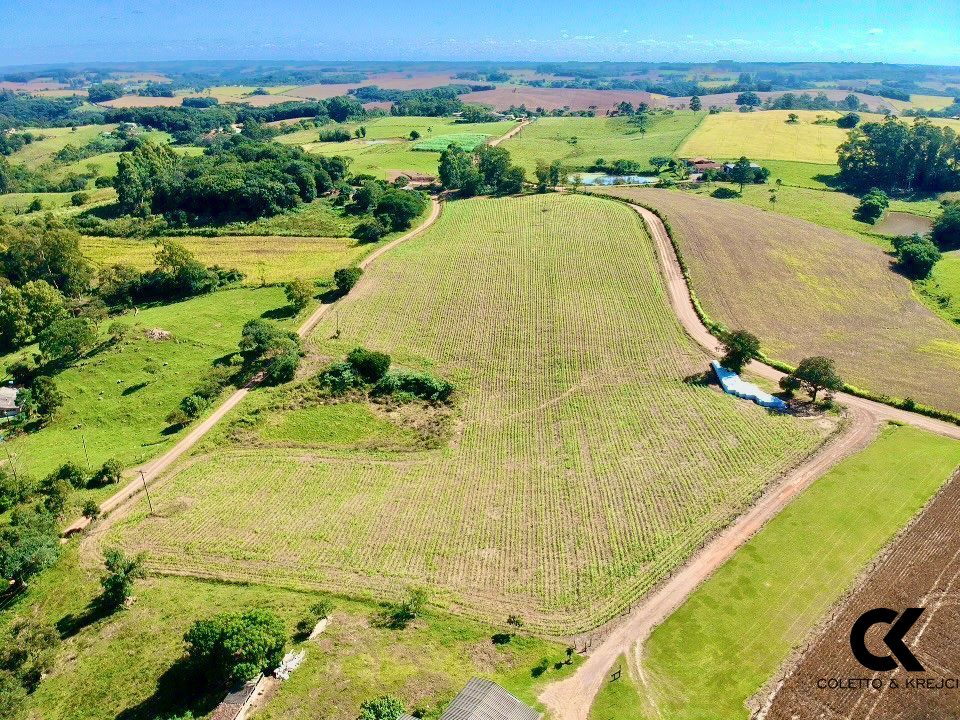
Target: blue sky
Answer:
[[50, 31]]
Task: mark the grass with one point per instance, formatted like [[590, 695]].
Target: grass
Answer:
[[583, 469], [931, 102], [767, 135], [800, 174], [942, 290], [354, 660], [339, 425], [115, 401], [807, 290], [734, 632], [58, 203], [467, 141], [579, 142], [55, 139], [618, 699]]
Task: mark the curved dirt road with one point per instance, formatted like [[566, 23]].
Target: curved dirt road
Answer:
[[518, 128], [572, 698], [148, 472]]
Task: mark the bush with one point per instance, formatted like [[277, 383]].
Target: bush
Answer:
[[117, 584], [386, 707], [725, 193], [15, 488], [418, 384], [72, 473], [109, 474], [369, 231], [79, 199], [872, 206], [233, 648], [91, 510], [299, 293], [371, 366], [316, 612], [346, 278], [335, 135], [339, 377], [194, 405], [916, 255], [848, 121], [946, 230]]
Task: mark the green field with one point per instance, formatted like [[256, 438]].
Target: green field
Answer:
[[116, 400], [579, 141], [767, 135], [942, 290], [799, 174], [58, 203], [467, 141], [734, 632], [54, 139], [387, 146], [124, 660], [618, 699], [583, 468]]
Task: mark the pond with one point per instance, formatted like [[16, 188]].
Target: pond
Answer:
[[597, 178], [903, 223]]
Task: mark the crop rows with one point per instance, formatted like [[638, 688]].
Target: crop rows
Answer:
[[584, 470]]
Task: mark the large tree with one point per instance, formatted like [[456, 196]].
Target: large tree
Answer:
[[741, 347], [232, 648], [817, 374]]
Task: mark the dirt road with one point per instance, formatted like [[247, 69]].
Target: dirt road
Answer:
[[148, 473], [518, 128], [572, 698]]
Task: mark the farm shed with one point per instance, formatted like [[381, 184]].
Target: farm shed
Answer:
[[485, 700], [8, 402], [738, 387]]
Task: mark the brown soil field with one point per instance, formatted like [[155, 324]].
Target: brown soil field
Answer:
[[177, 100], [920, 569], [729, 100], [901, 223], [390, 81], [552, 98], [32, 86], [807, 290]]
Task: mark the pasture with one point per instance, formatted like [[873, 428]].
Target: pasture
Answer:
[[942, 289], [767, 135], [356, 659], [808, 290], [583, 467], [734, 632], [58, 203], [116, 399], [618, 699], [42, 151], [578, 142], [467, 141]]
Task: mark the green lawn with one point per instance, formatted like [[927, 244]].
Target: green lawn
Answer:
[[467, 141], [578, 142], [333, 426], [942, 290], [117, 667], [798, 174], [618, 699], [116, 400], [733, 633]]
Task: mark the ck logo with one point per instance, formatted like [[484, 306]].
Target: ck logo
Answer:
[[899, 627]]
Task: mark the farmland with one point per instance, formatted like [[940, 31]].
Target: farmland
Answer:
[[355, 659], [573, 482], [505, 97], [468, 141], [780, 278], [919, 570], [733, 633], [578, 142], [945, 283]]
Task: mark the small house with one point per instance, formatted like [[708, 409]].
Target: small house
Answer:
[[702, 164], [485, 700], [728, 167], [8, 402]]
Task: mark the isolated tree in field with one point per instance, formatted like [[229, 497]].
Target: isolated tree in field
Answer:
[[346, 278], [232, 648], [385, 707], [695, 103], [916, 255], [298, 293], [741, 347], [742, 172], [121, 572], [872, 206], [793, 118], [817, 374], [749, 98], [414, 135], [110, 473], [946, 230], [411, 607], [848, 121]]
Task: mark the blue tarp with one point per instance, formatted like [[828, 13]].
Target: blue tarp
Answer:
[[737, 386]]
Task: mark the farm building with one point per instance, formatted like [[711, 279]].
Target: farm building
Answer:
[[702, 164], [485, 700], [728, 167], [8, 402]]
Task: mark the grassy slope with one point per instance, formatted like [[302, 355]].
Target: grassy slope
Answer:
[[782, 279], [103, 671], [584, 469], [117, 399], [734, 632], [618, 699], [37, 153], [942, 290], [549, 139]]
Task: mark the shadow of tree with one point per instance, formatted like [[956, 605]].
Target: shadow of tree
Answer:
[[280, 313], [179, 690]]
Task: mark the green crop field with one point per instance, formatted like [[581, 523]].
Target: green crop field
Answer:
[[734, 632], [116, 400], [125, 660], [808, 290], [767, 135], [468, 141], [578, 142], [583, 468]]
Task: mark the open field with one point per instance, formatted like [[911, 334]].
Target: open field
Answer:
[[583, 470], [467, 141], [733, 633], [767, 135], [127, 661], [729, 100], [505, 96], [801, 174], [618, 699], [942, 289], [921, 569], [578, 142], [54, 139], [806, 290], [59, 203], [116, 400]]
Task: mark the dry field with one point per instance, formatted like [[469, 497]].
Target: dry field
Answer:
[[807, 290], [921, 569], [583, 468], [552, 98], [388, 81]]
